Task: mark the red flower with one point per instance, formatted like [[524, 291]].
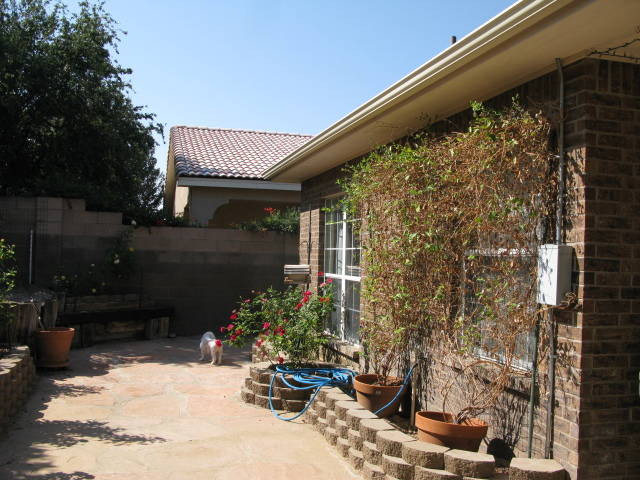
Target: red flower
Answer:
[[218, 343], [233, 316], [298, 306], [280, 360], [223, 329], [248, 300], [239, 332], [259, 343], [323, 299], [308, 293], [231, 326], [321, 274], [265, 325], [279, 331], [269, 210], [329, 280], [232, 337]]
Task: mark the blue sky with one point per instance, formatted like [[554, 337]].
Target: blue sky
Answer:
[[278, 65]]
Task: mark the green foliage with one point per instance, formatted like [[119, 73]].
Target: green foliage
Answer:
[[452, 227], [108, 276], [287, 221], [68, 125], [287, 324], [7, 283]]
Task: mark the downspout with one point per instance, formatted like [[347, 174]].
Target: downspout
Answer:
[[308, 286], [559, 216], [532, 388]]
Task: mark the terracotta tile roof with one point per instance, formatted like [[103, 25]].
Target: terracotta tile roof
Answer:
[[219, 152]]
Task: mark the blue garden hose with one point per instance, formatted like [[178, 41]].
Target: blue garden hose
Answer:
[[316, 378], [310, 378]]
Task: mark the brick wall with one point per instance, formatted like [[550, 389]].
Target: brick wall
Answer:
[[597, 412], [606, 120], [202, 272]]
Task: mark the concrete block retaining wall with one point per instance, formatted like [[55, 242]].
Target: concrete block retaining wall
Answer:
[[379, 451], [201, 272], [375, 447], [17, 376]]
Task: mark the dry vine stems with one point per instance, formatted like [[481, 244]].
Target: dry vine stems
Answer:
[[451, 227]]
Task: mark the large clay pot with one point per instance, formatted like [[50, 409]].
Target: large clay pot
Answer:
[[52, 347], [436, 427], [373, 397]]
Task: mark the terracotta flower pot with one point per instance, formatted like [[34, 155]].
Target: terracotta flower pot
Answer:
[[436, 427], [52, 347], [373, 397]]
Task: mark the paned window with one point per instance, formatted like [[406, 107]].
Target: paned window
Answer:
[[342, 264], [483, 280]]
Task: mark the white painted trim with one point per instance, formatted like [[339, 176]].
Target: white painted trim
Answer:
[[236, 183]]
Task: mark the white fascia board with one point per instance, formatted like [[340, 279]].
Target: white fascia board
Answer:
[[236, 183], [495, 32]]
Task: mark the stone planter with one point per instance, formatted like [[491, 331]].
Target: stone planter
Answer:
[[256, 390], [377, 450]]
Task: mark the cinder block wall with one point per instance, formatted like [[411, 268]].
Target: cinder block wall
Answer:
[[202, 272], [596, 431]]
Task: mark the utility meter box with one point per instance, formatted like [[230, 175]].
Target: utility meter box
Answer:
[[554, 273]]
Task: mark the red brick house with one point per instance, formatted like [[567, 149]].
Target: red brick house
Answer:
[[589, 50]]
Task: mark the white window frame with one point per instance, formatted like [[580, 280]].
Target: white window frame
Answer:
[[341, 277], [525, 365]]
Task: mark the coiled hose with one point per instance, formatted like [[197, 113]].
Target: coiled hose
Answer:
[[316, 378], [310, 378]]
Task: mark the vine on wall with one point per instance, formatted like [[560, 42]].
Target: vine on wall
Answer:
[[452, 229]]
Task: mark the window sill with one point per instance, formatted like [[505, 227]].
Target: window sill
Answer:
[[341, 351]]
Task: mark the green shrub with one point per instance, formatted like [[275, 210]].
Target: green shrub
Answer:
[[287, 221], [286, 323]]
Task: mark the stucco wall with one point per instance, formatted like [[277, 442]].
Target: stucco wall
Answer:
[[204, 202]]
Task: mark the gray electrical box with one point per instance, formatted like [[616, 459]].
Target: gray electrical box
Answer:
[[554, 273]]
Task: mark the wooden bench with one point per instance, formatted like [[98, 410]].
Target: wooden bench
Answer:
[[144, 322]]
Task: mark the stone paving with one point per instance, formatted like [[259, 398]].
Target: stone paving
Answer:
[[149, 410]]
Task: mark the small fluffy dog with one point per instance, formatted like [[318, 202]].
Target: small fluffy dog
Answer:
[[209, 345]]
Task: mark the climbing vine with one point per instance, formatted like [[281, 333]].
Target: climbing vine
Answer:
[[451, 227]]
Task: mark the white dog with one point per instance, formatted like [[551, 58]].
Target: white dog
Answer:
[[210, 346]]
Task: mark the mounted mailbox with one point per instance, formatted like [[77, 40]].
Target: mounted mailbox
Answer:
[[554, 273], [297, 274]]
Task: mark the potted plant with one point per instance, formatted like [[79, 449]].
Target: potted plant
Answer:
[[52, 343], [379, 391]]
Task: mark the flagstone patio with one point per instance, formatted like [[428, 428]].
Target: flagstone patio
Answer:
[[149, 410]]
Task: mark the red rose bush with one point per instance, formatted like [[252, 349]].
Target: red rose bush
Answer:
[[284, 324]]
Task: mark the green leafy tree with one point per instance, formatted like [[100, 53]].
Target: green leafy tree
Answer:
[[67, 124], [7, 284]]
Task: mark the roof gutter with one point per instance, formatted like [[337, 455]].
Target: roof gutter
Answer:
[[493, 33]]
